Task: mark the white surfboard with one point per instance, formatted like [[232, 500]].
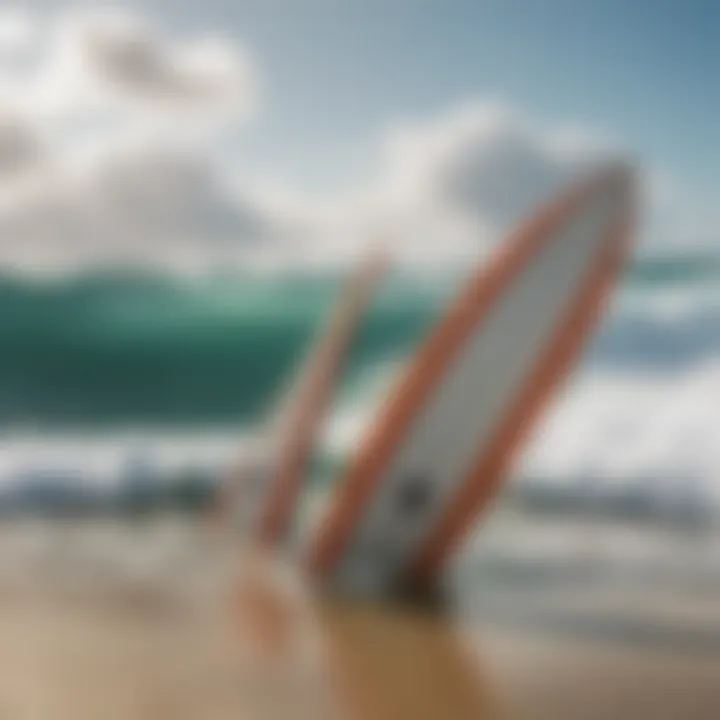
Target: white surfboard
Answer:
[[262, 493], [441, 446]]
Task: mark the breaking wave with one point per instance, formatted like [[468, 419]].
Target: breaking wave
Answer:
[[95, 370]]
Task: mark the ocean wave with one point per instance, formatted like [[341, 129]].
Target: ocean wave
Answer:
[[621, 446], [625, 442], [150, 349]]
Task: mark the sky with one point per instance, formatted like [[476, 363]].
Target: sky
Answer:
[[333, 120], [337, 70]]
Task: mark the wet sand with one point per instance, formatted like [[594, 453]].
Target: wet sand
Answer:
[[186, 644], [79, 662]]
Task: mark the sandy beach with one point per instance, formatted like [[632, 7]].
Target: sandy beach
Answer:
[[167, 651], [107, 662]]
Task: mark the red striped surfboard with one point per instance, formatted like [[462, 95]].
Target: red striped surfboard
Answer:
[[442, 444], [300, 417], [263, 486]]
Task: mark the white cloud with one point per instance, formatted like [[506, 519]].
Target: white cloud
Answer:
[[17, 31], [129, 60], [481, 161], [146, 206], [98, 163], [445, 189], [98, 62], [450, 186]]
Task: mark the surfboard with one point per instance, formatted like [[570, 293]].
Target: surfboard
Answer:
[[301, 417], [262, 493], [440, 448]]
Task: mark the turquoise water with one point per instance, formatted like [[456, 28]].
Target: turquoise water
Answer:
[[108, 380], [152, 350]]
